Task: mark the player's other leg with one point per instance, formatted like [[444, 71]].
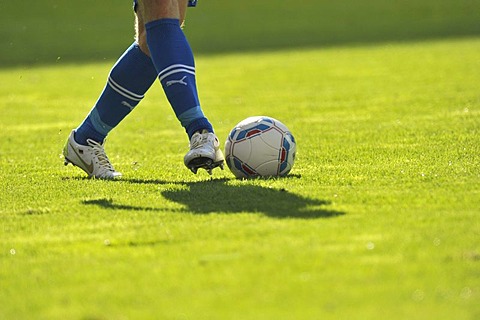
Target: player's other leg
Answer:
[[128, 81], [174, 61]]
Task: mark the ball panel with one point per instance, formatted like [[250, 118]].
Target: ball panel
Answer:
[[242, 149], [268, 169], [272, 137]]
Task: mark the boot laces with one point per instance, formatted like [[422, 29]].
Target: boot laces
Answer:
[[199, 139], [99, 152]]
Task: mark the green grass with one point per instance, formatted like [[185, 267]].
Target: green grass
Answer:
[[378, 219], [379, 216]]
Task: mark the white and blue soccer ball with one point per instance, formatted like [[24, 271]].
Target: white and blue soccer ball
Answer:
[[260, 147]]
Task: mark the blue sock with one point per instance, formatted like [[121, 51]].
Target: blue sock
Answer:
[[128, 81], [173, 59]]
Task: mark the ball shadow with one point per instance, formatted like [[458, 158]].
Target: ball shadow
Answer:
[[218, 196]]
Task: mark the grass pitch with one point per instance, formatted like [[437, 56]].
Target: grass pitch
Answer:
[[379, 217]]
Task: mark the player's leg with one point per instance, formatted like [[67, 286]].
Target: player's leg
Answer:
[[173, 58], [127, 83], [129, 79], [174, 61]]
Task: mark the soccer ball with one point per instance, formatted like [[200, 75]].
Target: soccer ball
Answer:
[[260, 147]]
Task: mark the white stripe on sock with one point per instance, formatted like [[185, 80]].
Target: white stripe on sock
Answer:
[[173, 66], [124, 92], [176, 71]]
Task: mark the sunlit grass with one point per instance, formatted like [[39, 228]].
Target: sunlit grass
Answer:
[[379, 217]]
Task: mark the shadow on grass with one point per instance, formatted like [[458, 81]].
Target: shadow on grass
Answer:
[[108, 204], [218, 196]]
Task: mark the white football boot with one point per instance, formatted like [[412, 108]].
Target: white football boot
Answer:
[[91, 158], [204, 152]]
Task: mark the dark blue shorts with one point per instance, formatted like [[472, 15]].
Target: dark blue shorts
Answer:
[[191, 3]]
